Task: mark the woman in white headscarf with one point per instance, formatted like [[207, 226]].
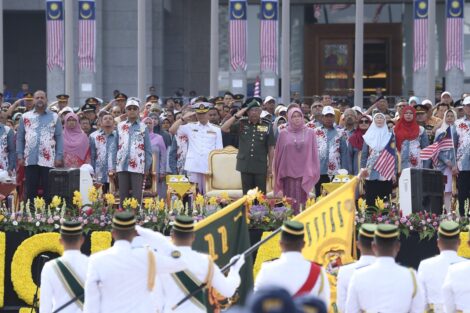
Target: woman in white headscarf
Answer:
[[376, 139], [446, 158]]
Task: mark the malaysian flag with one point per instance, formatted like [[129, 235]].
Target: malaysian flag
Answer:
[[257, 91], [442, 142], [238, 28], [454, 34], [86, 35], [385, 163], [268, 36], [55, 34], [420, 34]]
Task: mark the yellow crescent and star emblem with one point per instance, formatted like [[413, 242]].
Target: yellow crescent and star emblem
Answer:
[[455, 9], [269, 13], [422, 10], [54, 12], [86, 11], [238, 11]]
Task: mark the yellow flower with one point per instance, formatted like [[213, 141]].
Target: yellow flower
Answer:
[[148, 203], [361, 203], [379, 203], [161, 204], [224, 195], [109, 197], [213, 201], [92, 194], [199, 200], [77, 198], [310, 202], [39, 203], [56, 201], [266, 219]]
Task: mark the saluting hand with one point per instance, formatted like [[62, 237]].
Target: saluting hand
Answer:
[[240, 113], [188, 115]]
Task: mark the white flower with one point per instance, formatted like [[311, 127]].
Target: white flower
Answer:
[[56, 226], [15, 223], [38, 223]]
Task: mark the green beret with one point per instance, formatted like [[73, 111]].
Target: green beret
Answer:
[[387, 231], [367, 230], [71, 228], [184, 224], [293, 228], [252, 104], [448, 229], [124, 221]]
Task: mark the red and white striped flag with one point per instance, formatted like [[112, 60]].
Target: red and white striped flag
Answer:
[[442, 142], [385, 163], [338, 7], [55, 34], [454, 34], [237, 34], [257, 91], [420, 34], [86, 35], [268, 36]]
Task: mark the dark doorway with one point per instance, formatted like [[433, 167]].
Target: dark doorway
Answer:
[[24, 35]]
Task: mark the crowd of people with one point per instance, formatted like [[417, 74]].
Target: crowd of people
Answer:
[[144, 272], [301, 145]]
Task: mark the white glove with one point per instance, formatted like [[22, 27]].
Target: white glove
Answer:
[[238, 264]]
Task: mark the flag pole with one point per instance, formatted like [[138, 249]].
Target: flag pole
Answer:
[[227, 267]]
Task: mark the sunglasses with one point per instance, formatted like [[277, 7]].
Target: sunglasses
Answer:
[[364, 122], [132, 108], [318, 106]]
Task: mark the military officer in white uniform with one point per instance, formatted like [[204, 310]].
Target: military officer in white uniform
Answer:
[[57, 286], [432, 271], [385, 286], [292, 271], [122, 278], [456, 288], [203, 137], [364, 244], [201, 269]]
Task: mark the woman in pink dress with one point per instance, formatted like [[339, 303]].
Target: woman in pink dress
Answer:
[[76, 143], [296, 161]]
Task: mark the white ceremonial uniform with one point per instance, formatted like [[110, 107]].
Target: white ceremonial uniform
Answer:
[[198, 265], [53, 292], [456, 288], [344, 277], [290, 272], [431, 273], [202, 139], [160, 244], [385, 287], [117, 279]]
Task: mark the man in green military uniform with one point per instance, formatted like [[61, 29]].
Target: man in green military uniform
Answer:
[[256, 145]]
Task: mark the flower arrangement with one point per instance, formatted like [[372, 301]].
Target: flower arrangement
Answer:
[[97, 215], [268, 214], [424, 223]]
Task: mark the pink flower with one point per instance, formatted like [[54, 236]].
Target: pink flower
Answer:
[[50, 220], [80, 219], [85, 222], [379, 219], [397, 223]]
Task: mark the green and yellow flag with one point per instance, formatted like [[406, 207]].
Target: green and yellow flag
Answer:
[[223, 235]]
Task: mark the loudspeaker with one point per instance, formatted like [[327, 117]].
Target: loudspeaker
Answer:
[[421, 190], [63, 182]]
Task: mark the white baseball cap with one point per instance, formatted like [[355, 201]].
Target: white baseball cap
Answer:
[[446, 93], [269, 98], [427, 102], [466, 101], [133, 102], [328, 110], [357, 108], [264, 114]]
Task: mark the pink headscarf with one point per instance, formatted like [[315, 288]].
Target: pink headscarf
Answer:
[[156, 139], [75, 140], [290, 126], [296, 155]]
